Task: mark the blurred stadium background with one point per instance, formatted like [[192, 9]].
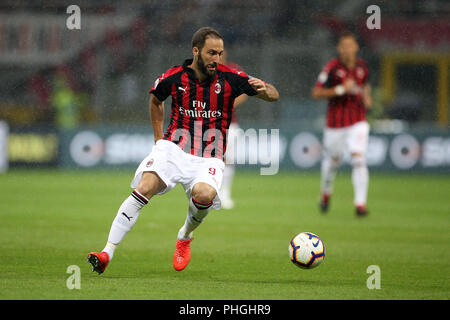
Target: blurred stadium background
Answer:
[[78, 98]]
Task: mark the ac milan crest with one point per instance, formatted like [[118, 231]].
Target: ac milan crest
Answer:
[[149, 163], [217, 88]]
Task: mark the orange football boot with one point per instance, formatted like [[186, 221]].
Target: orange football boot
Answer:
[[182, 254]]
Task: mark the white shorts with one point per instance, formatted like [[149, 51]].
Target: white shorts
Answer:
[[336, 141], [175, 166]]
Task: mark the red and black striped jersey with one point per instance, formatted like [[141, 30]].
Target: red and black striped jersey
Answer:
[[201, 111], [237, 67], [347, 109]]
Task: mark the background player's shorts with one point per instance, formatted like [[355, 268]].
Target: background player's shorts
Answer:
[[175, 166], [353, 139], [235, 133]]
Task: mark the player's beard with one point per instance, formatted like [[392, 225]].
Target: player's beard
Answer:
[[203, 69]]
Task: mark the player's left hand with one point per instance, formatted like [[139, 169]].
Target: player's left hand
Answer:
[[367, 101], [258, 85], [265, 91], [367, 98]]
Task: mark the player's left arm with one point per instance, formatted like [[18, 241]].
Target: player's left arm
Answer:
[[366, 89], [265, 90], [367, 95], [240, 100]]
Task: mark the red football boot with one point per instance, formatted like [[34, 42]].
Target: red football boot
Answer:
[[361, 211], [182, 254], [324, 202], [98, 260]]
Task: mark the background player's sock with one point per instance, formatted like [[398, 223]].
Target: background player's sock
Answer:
[[196, 213], [125, 220], [227, 181], [360, 179], [328, 173]]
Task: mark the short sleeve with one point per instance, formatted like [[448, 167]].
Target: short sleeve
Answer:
[[240, 84], [324, 78], [161, 88]]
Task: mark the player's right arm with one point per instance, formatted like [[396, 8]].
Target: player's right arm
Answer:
[[325, 89], [159, 92], [339, 90], [157, 116]]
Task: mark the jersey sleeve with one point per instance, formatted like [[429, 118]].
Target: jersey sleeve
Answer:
[[240, 85], [324, 80], [161, 87]]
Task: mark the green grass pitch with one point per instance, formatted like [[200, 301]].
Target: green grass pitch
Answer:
[[52, 219]]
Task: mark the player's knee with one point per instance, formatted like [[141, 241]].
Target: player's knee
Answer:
[[336, 161], [358, 161], [150, 184], [203, 193]]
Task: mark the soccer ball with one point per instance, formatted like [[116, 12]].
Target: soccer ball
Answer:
[[306, 250]]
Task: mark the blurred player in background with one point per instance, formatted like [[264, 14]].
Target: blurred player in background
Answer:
[[233, 133], [192, 149], [344, 82]]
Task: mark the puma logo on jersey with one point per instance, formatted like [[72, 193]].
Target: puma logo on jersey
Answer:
[[182, 89]]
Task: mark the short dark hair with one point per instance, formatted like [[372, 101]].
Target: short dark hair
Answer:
[[346, 34], [199, 37]]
